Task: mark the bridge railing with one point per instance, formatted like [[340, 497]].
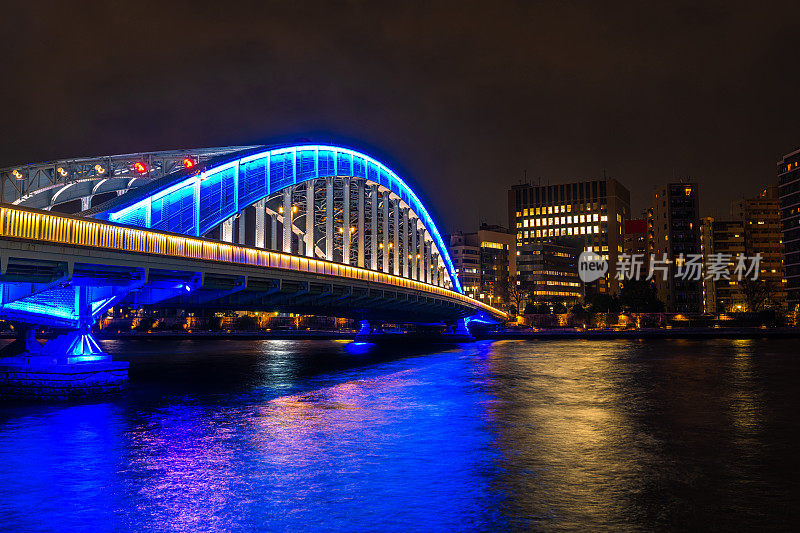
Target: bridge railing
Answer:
[[22, 223]]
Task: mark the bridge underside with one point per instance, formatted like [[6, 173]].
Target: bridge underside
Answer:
[[68, 287]]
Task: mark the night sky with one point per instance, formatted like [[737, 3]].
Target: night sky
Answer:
[[460, 98]]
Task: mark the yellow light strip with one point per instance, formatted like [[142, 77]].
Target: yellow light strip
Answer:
[[24, 224]]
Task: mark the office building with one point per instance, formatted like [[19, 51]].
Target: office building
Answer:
[[634, 239], [761, 220], [706, 249], [484, 261], [547, 270], [728, 239], [674, 229], [592, 211], [789, 191]]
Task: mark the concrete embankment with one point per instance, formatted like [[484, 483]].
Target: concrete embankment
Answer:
[[672, 333], [244, 335]]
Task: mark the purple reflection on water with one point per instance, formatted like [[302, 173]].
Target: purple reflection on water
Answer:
[[510, 435], [355, 446]]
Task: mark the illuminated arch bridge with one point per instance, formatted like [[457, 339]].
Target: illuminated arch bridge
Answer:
[[323, 202], [308, 228]]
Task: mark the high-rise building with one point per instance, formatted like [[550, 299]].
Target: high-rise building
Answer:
[[753, 228], [547, 270], [789, 183], [593, 211], [484, 261], [465, 254], [728, 239], [634, 240], [674, 231], [706, 249], [761, 220]]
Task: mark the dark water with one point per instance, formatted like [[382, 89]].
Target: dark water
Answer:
[[511, 435]]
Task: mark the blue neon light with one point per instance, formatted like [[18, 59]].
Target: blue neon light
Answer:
[[215, 197]]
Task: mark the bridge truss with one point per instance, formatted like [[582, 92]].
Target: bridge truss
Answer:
[[323, 202], [76, 184]]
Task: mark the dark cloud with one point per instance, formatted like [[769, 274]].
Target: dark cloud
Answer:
[[461, 96]]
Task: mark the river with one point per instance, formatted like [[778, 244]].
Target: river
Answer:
[[491, 436]]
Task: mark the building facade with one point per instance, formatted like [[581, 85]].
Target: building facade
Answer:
[[591, 211], [634, 240], [547, 270], [761, 221], [707, 248], [674, 230], [789, 184], [728, 239], [465, 253], [485, 261]]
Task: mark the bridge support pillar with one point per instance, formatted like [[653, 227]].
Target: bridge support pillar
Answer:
[[374, 227], [287, 220], [423, 246], [406, 253], [346, 233], [360, 228], [396, 238], [273, 232], [70, 367], [261, 223], [385, 242], [242, 227], [329, 216], [226, 232], [309, 236], [460, 329], [413, 254]]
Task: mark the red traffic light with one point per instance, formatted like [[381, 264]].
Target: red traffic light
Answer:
[[188, 163], [140, 167]]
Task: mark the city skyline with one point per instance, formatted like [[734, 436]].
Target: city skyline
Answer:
[[560, 92]]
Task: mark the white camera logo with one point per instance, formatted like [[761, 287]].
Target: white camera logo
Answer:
[[591, 266]]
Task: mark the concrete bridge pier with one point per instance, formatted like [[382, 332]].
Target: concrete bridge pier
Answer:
[[459, 329], [71, 366], [453, 332]]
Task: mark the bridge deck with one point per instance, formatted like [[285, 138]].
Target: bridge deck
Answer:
[[32, 234]]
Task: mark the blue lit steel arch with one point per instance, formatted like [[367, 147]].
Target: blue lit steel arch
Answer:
[[192, 203]]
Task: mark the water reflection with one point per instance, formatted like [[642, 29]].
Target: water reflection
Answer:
[[289, 435]]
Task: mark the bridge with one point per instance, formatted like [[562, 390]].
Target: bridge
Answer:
[[314, 229]]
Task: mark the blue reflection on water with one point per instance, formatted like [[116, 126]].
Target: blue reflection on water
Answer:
[[490, 436], [359, 348], [347, 449]]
